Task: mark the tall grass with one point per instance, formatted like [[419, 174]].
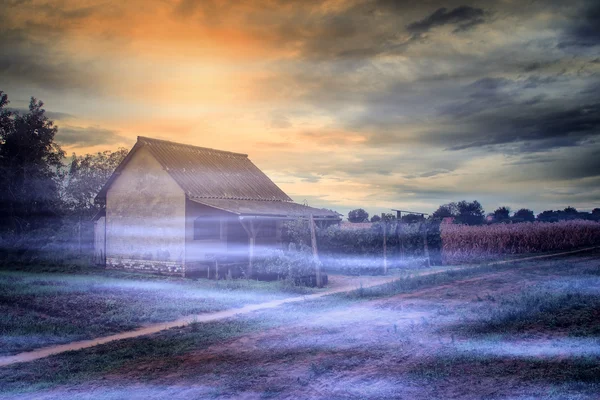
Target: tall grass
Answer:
[[463, 243]]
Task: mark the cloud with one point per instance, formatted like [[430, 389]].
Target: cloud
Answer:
[[53, 115], [584, 29], [464, 17], [77, 137]]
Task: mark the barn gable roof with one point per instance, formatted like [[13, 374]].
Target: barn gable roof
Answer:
[[205, 173]]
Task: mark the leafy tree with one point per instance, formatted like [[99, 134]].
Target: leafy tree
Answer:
[[389, 217], [87, 175], [502, 214], [470, 213], [445, 211], [358, 215], [569, 213], [524, 215], [548, 216], [30, 169], [375, 218], [596, 214]]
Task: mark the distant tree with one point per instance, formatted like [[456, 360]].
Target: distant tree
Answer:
[[569, 213], [502, 214], [445, 211], [523, 215], [87, 175], [596, 214], [375, 218], [358, 215], [470, 213], [30, 169], [389, 217], [548, 216]]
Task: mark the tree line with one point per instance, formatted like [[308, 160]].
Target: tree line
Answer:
[[472, 213]]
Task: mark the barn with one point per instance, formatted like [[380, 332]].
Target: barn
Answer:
[[178, 209]]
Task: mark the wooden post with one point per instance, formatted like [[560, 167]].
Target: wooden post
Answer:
[[425, 246], [385, 266], [251, 242], [313, 242], [251, 230]]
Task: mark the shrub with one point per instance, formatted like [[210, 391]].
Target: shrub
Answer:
[[360, 250], [297, 261]]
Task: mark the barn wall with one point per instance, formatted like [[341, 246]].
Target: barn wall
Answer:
[[145, 218]]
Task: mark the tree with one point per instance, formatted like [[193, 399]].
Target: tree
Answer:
[[470, 213], [445, 211], [524, 215], [375, 218], [389, 217], [569, 213], [502, 214], [596, 214], [87, 175], [358, 215], [30, 169], [548, 216]]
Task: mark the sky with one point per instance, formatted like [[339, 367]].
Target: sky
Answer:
[[376, 104]]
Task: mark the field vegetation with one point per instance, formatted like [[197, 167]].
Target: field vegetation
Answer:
[[40, 309], [523, 330]]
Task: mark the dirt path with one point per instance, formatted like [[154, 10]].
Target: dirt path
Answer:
[[348, 284]]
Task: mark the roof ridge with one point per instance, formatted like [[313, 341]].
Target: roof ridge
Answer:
[[145, 138], [235, 198]]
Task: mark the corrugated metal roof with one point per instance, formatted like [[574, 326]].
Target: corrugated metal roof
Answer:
[[266, 208], [207, 173]]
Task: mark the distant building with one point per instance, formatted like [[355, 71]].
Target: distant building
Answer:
[[178, 209]]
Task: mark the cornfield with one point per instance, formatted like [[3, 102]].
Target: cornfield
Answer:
[[463, 243]]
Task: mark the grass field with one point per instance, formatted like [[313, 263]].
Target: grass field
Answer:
[[524, 331], [39, 309]]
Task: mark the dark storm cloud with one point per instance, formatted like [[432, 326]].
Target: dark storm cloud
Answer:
[[89, 136], [464, 17], [586, 165], [496, 114], [584, 30]]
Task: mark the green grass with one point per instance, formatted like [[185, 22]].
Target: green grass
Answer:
[[410, 283], [163, 350], [445, 275], [39, 309], [89, 364], [571, 307], [448, 364]]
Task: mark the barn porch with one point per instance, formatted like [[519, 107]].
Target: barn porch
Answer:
[[224, 236]]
